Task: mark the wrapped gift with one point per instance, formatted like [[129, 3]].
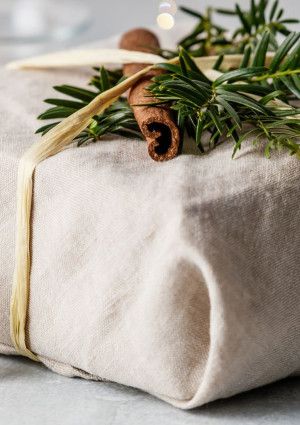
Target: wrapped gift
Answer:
[[179, 278]]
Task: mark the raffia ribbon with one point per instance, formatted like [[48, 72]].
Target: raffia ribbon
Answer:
[[51, 144]]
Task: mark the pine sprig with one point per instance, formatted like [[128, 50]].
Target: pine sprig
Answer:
[[117, 119], [253, 101], [243, 103], [208, 38]]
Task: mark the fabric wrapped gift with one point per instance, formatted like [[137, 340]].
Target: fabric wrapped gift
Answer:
[[178, 278]]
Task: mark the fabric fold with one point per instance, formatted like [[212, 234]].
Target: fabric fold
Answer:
[[181, 278]]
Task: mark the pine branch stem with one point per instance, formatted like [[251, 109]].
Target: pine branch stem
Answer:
[[278, 74]]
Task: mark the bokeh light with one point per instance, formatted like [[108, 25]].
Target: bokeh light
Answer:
[[165, 21]]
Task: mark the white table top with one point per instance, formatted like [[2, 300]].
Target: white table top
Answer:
[[32, 395]]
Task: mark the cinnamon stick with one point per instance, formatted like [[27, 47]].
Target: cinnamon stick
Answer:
[[157, 123]]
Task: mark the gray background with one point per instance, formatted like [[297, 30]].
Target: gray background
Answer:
[[108, 17], [123, 14]]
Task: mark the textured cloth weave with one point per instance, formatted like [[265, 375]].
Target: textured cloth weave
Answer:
[[180, 278]]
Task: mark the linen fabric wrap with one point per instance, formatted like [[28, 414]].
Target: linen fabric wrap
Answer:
[[179, 278]]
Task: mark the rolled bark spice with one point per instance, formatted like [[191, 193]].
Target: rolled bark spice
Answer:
[[157, 123]]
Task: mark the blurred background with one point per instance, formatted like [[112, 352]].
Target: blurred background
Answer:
[[30, 27]]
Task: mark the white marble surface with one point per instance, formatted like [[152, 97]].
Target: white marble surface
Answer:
[[32, 395]]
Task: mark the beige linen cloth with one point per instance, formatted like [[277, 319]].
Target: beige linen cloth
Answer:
[[179, 278]]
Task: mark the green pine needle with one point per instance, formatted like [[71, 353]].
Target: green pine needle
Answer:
[[240, 103], [117, 119], [208, 38]]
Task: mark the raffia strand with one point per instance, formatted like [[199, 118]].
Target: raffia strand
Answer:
[[51, 144], [57, 139]]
